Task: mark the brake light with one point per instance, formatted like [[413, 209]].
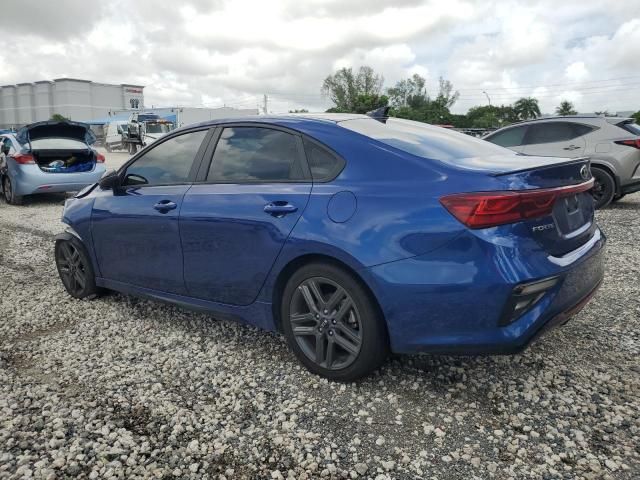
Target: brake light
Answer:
[[100, 158], [630, 143], [490, 209], [23, 158]]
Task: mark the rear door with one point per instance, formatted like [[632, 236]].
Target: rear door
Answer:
[[558, 139], [236, 220], [135, 227]]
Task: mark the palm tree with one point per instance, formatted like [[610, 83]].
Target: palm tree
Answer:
[[566, 108], [526, 108]]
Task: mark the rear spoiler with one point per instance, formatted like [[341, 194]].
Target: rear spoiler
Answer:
[[542, 167]]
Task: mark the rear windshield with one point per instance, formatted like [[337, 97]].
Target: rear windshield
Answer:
[[57, 144], [631, 128], [424, 140]]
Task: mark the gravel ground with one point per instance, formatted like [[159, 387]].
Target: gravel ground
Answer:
[[121, 387]]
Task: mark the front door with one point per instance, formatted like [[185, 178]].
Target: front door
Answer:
[[234, 224], [135, 227]]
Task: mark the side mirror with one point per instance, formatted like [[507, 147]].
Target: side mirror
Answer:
[[110, 180], [6, 149]]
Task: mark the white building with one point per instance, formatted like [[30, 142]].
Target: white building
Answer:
[[79, 100]]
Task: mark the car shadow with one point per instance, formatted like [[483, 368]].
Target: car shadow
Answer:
[[46, 199]]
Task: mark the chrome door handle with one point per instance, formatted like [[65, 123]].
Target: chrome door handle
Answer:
[[279, 209], [163, 206], [571, 147]]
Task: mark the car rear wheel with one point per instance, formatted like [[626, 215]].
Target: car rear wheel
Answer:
[[9, 193], [332, 324], [75, 269], [604, 188]]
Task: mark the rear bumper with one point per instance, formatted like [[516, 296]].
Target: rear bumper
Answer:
[[29, 179], [447, 303]]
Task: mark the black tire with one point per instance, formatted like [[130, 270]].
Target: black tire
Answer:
[[75, 269], [354, 321], [604, 189], [619, 197], [9, 193]]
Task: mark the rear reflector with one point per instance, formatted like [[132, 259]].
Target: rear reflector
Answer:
[[524, 297], [489, 209], [100, 158], [630, 143], [24, 158]]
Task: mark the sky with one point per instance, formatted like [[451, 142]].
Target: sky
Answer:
[[216, 52]]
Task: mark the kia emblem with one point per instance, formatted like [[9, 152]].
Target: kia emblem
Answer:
[[584, 172]]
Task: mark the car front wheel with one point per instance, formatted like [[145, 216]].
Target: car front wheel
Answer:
[[332, 324], [75, 269]]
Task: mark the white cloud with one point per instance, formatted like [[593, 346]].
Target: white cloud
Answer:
[[232, 51]]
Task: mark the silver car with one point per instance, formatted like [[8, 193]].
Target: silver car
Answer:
[[611, 143], [48, 157]]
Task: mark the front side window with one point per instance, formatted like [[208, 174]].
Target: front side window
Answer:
[[167, 163], [511, 137], [255, 154]]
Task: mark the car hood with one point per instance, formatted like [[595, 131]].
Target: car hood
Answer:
[[56, 129]]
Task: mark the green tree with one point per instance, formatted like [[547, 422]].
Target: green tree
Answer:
[[491, 116], [410, 92], [355, 92], [410, 99], [526, 108], [636, 116], [566, 108], [59, 118]]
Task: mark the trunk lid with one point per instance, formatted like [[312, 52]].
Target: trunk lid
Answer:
[[56, 129], [571, 223]]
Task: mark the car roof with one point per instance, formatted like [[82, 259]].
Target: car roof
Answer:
[[613, 120], [290, 120]]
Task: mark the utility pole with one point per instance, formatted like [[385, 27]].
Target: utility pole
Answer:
[[265, 101], [488, 98]]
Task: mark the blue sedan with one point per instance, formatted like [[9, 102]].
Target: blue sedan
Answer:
[[353, 236]]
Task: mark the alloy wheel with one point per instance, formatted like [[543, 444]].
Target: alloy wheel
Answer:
[[326, 323], [598, 191], [71, 267]]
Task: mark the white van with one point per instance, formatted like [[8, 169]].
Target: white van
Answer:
[[113, 135]]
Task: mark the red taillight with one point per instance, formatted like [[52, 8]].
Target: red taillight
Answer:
[[489, 209], [630, 143], [100, 158], [23, 158]]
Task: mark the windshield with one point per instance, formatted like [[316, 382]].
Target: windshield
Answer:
[[157, 127], [423, 140], [57, 144]]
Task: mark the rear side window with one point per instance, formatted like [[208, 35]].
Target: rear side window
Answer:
[[554, 132], [167, 163], [255, 154], [324, 165], [512, 137]]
